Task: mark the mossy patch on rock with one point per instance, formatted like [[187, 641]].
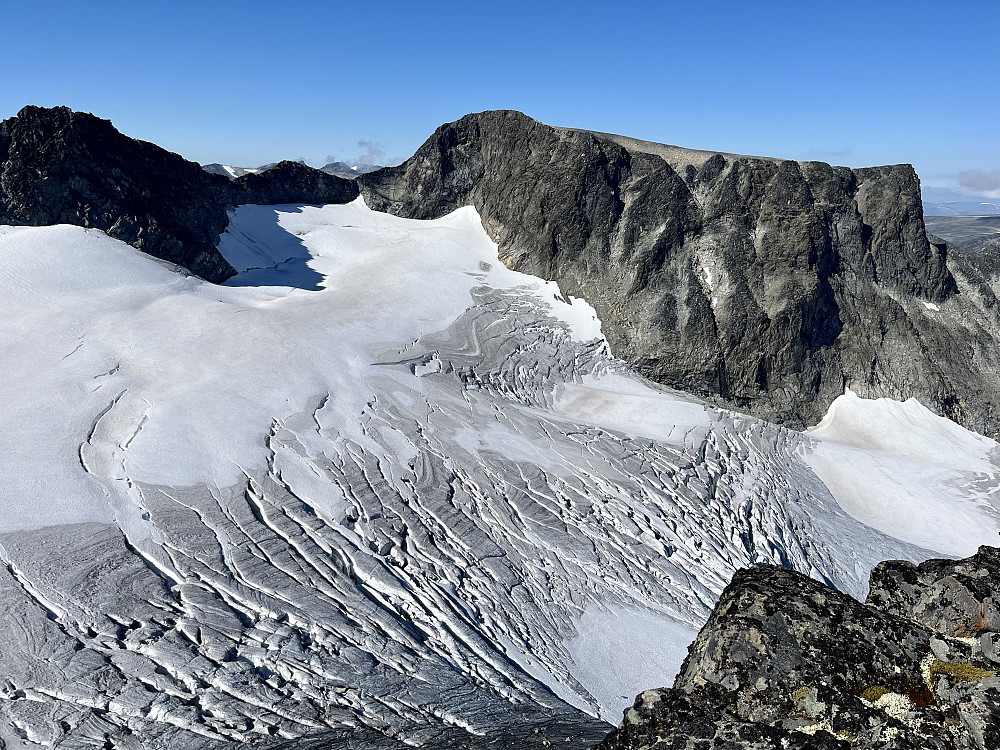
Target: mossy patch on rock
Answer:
[[958, 671], [873, 693]]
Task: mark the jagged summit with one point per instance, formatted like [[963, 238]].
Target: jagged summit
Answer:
[[762, 284], [63, 167]]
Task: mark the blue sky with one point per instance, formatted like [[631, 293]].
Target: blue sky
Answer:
[[245, 83]]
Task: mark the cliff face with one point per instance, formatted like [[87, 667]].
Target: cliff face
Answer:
[[761, 284], [785, 662], [63, 167]]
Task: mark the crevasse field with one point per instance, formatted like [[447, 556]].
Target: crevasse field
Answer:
[[378, 481]]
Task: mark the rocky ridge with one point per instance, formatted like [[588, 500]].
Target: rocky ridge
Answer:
[[63, 167], [786, 662], [762, 284]]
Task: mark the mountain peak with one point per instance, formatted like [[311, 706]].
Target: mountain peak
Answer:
[[66, 167]]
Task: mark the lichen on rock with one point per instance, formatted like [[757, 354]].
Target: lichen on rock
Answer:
[[791, 657]]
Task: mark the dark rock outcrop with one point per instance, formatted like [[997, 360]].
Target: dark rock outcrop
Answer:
[[761, 284], [63, 167], [293, 182], [786, 662]]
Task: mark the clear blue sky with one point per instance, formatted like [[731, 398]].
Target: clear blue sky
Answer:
[[248, 82]]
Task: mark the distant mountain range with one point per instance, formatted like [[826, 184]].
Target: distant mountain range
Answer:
[[974, 234], [343, 169], [950, 202]]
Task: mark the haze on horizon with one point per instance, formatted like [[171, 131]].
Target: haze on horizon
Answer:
[[853, 83]]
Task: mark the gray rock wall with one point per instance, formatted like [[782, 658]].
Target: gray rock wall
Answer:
[[762, 284], [63, 167]]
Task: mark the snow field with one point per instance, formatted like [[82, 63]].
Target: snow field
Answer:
[[379, 462]]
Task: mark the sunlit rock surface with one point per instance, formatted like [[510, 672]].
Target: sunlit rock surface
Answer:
[[785, 662]]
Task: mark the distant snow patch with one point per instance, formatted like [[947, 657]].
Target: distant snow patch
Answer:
[[899, 468], [626, 404], [619, 652]]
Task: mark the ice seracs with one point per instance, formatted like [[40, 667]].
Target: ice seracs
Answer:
[[379, 485]]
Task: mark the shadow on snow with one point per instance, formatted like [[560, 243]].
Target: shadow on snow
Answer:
[[266, 254]]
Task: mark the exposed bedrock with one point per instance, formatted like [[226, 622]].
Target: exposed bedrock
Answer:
[[292, 182], [63, 167], [762, 284], [785, 662]]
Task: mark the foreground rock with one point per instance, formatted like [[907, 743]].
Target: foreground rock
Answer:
[[63, 167], [765, 285], [785, 662]]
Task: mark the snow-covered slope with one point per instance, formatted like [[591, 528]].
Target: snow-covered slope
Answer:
[[902, 469], [380, 482], [227, 171]]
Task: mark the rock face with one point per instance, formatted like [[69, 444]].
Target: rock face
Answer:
[[292, 182], [953, 598], [785, 662], [762, 284], [63, 167]]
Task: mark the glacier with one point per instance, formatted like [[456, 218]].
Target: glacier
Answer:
[[379, 488]]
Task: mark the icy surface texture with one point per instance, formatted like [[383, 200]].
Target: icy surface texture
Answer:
[[760, 284], [414, 498]]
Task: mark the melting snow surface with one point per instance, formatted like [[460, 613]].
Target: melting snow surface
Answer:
[[203, 369], [627, 405], [900, 468]]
